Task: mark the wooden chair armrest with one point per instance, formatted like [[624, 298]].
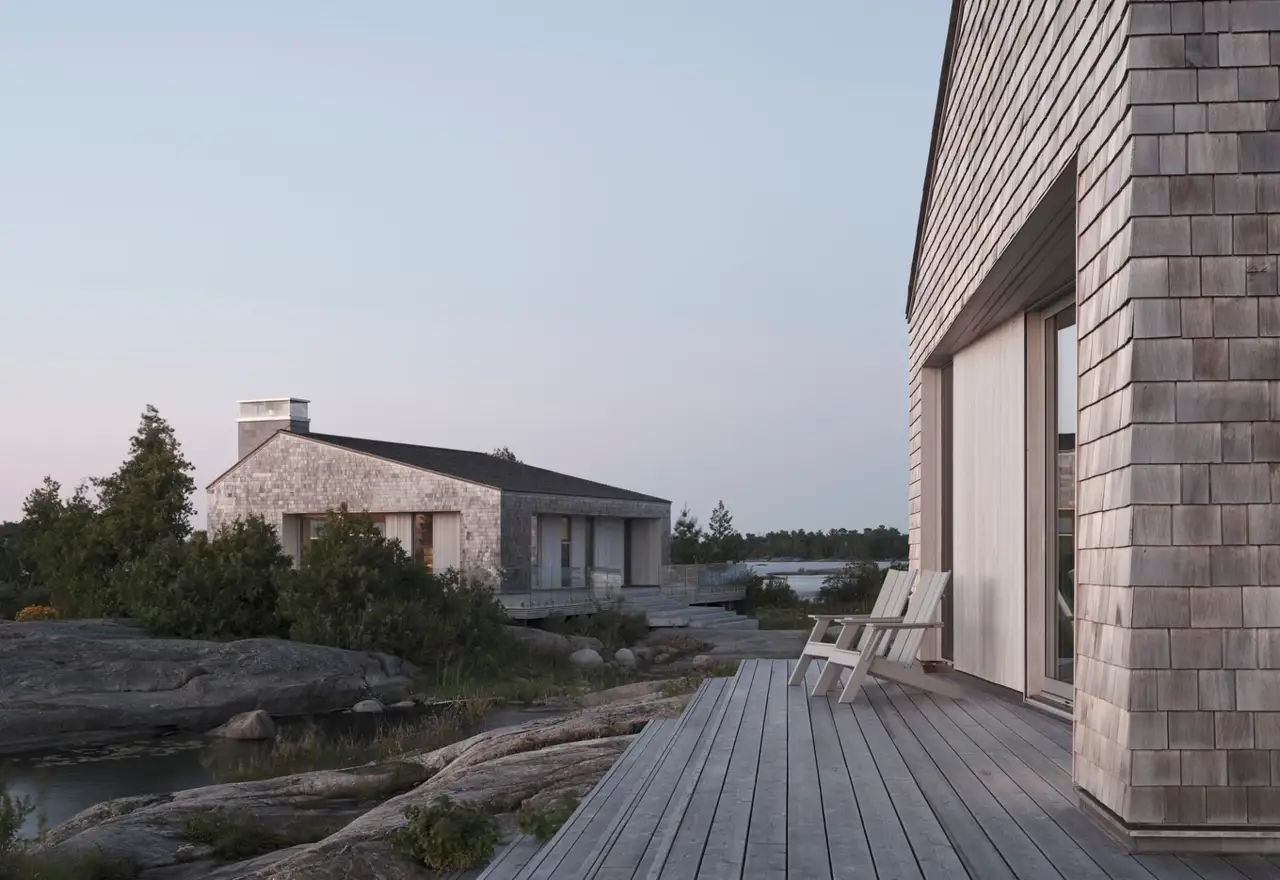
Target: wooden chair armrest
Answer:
[[863, 619], [897, 624], [826, 616]]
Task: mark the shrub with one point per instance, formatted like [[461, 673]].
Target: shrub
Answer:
[[224, 587], [37, 612], [769, 592], [14, 812], [449, 837], [852, 588], [544, 822], [613, 627], [235, 839], [357, 589]]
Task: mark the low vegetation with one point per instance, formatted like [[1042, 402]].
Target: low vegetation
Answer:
[[447, 836], [613, 627], [544, 822], [313, 749], [690, 681], [233, 839], [851, 590], [16, 863]]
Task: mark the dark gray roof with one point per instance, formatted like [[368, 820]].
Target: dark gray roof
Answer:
[[482, 468]]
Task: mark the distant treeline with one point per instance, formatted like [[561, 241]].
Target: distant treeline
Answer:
[[882, 542]]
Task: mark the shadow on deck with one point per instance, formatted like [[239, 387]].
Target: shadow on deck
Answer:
[[757, 780]]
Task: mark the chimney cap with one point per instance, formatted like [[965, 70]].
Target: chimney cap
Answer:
[[275, 409], [272, 399]]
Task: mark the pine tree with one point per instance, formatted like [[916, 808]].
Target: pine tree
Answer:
[[505, 454], [723, 540], [686, 539], [148, 499]]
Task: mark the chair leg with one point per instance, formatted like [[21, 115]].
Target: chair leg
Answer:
[[856, 676], [797, 674], [829, 678]]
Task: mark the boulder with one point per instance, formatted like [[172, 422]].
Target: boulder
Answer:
[[641, 652], [549, 641], [401, 705], [626, 657], [369, 707], [247, 725], [84, 681], [586, 658]]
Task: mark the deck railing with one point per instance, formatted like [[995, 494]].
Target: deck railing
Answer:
[[706, 582]]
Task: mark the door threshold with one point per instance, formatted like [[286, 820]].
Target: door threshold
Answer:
[[1050, 704]]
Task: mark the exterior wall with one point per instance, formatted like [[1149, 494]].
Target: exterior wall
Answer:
[[1170, 109], [646, 553], [610, 544], [293, 475], [519, 510], [988, 568]]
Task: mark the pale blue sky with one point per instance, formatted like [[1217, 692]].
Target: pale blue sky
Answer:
[[663, 245]]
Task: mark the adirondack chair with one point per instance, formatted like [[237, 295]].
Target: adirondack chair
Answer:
[[889, 649], [890, 602]]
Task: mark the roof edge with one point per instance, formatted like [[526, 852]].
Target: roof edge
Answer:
[[648, 499], [926, 195], [644, 499]]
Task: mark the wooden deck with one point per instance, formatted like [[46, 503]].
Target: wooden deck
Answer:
[[759, 781]]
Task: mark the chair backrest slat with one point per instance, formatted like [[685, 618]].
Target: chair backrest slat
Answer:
[[892, 598], [923, 609]]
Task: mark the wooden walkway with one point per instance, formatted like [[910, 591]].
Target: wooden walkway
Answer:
[[757, 781]]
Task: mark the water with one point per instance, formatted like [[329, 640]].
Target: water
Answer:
[[67, 781], [804, 576]]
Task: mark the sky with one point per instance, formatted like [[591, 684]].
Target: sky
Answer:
[[662, 245]]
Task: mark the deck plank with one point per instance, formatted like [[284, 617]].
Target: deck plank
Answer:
[[673, 816], [1004, 776], [1253, 867], [1166, 867], [681, 862], [1043, 782], [1050, 769], [808, 852], [624, 846], [1211, 867], [935, 853], [848, 849], [1030, 724], [766, 854], [727, 843], [983, 841], [604, 802]]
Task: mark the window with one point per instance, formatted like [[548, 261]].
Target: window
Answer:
[[566, 553], [1060, 473], [423, 547], [315, 529]]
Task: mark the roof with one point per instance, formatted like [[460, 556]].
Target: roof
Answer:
[[478, 467], [939, 111]]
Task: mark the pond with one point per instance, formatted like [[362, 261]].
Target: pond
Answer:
[[66, 781]]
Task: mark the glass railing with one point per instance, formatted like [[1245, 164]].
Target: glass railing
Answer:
[[706, 582]]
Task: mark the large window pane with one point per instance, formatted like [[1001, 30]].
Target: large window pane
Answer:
[[1061, 490]]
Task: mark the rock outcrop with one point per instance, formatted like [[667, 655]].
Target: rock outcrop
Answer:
[[255, 725], [81, 681], [351, 814]]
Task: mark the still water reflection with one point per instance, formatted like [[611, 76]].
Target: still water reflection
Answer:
[[67, 781]]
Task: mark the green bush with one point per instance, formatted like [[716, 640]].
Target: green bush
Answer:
[[544, 822], [613, 627], [235, 839], [227, 587], [449, 837], [357, 589], [853, 588], [769, 592]]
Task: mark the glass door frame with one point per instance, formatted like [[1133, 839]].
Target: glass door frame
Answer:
[[1042, 510]]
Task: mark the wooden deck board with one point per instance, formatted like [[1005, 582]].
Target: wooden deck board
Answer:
[[758, 781], [685, 855]]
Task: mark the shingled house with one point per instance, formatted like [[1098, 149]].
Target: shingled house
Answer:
[[1094, 384], [524, 528]]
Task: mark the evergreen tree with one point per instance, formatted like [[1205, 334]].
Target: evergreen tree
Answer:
[[686, 539], [723, 540], [148, 500], [505, 454]]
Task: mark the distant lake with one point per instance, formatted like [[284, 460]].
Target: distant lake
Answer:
[[805, 576]]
